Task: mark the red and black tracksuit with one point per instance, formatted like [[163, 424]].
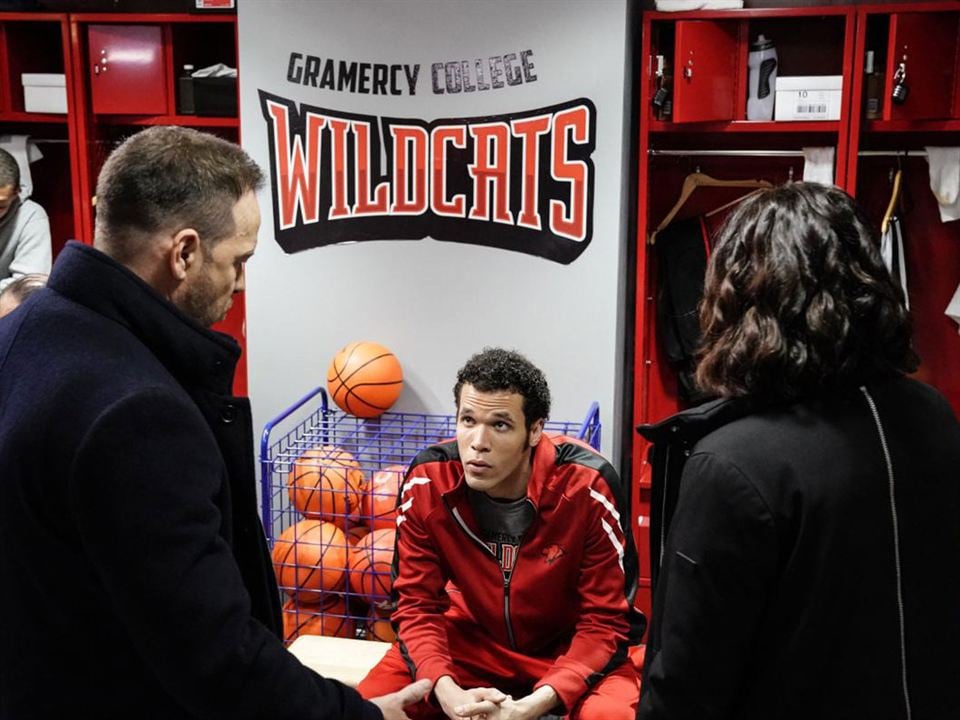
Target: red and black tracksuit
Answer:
[[562, 616]]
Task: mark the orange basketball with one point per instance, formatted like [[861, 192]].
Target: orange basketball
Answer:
[[379, 627], [356, 533], [326, 483], [380, 498], [370, 564], [330, 618], [310, 558], [364, 379]]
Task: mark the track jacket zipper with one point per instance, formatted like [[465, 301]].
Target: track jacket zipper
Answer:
[[506, 578]]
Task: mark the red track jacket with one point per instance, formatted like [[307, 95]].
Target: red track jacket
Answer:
[[564, 617]]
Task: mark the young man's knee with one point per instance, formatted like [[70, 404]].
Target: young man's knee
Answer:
[[615, 698], [388, 675]]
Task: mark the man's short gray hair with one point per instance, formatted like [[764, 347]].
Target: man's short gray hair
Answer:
[[169, 178]]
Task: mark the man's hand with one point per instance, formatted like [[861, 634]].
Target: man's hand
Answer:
[[540, 701], [451, 696], [392, 705]]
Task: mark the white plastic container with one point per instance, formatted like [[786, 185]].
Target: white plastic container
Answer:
[[761, 79], [44, 92], [809, 97]]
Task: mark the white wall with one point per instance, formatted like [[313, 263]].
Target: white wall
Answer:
[[435, 303]]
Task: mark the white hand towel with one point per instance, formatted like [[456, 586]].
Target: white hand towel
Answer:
[[218, 70], [25, 151], [891, 250], [818, 164], [945, 180], [953, 309]]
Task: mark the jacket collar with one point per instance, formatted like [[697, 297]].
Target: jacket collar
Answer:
[[689, 426], [194, 355], [544, 461]]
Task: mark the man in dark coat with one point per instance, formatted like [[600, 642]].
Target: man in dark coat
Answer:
[[135, 573]]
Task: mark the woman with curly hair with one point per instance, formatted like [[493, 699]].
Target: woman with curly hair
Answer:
[[811, 566]]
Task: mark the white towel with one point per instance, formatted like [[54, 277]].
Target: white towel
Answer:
[[891, 250], [25, 151], [944, 165], [818, 164], [218, 70], [953, 309]]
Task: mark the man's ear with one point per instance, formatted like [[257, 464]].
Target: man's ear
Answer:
[[185, 253], [534, 433]]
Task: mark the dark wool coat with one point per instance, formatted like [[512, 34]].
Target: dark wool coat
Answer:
[[795, 549], [135, 577]]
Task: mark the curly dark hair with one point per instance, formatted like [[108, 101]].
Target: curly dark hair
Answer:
[[797, 299], [495, 369]]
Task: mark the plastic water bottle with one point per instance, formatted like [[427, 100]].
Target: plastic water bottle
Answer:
[[185, 104], [761, 79]]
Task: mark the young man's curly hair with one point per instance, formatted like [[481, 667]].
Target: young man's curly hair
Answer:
[[495, 369], [797, 299]]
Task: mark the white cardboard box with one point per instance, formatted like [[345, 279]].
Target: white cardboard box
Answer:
[[808, 97], [44, 92]]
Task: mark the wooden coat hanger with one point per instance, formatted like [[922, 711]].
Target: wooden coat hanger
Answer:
[[894, 201], [699, 179], [733, 202]]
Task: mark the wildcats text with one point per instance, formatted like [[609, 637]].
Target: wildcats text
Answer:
[[521, 182]]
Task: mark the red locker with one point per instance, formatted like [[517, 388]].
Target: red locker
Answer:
[[926, 45], [127, 70], [705, 71]]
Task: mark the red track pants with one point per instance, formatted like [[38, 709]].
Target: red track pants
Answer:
[[613, 698]]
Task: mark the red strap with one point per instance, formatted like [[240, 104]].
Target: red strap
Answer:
[[706, 236]]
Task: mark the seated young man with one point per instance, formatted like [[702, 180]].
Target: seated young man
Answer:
[[514, 572]]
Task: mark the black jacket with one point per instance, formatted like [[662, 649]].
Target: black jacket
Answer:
[[681, 257], [782, 581], [135, 573]]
